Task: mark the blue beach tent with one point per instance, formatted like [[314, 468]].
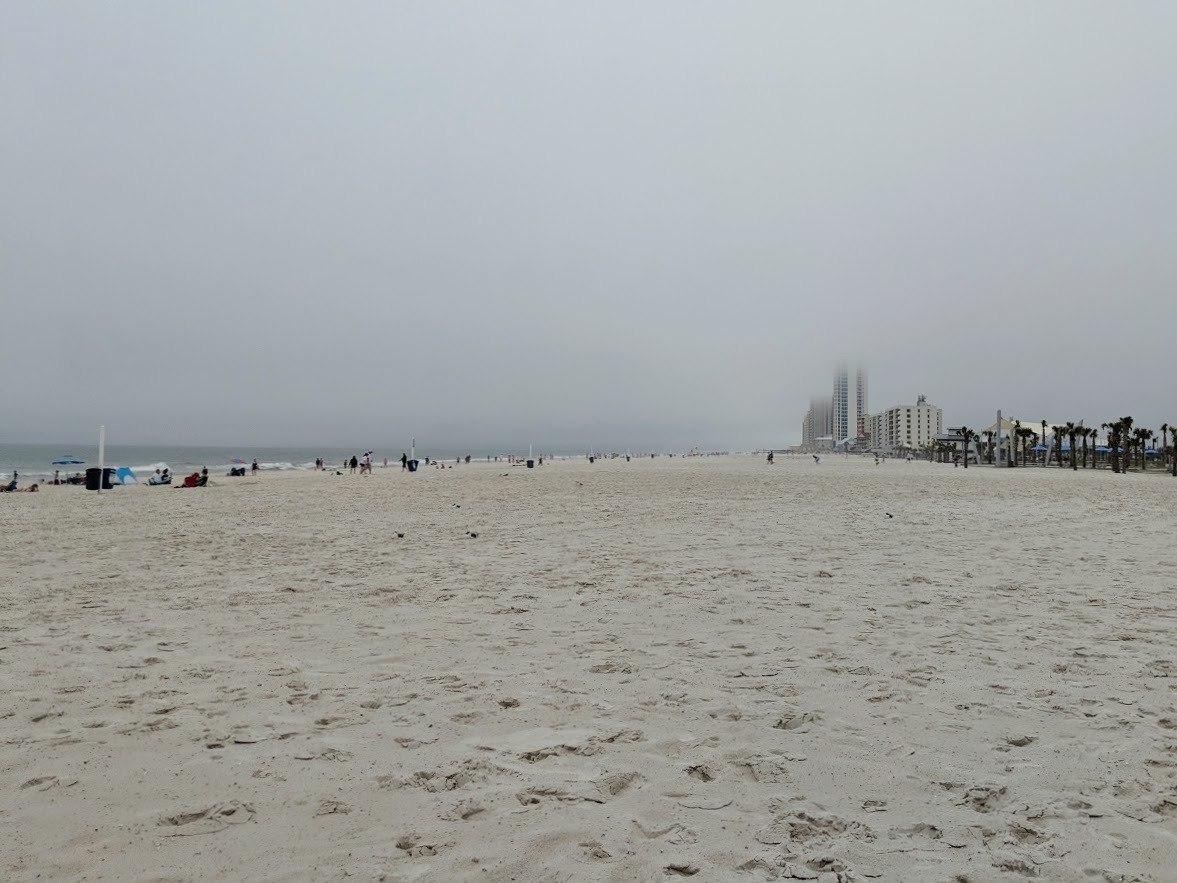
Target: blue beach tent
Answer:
[[124, 475]]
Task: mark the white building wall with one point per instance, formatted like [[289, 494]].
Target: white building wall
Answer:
[[906, 426]]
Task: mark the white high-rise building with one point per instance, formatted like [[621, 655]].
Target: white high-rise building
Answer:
[[849, 403], [906, 427]]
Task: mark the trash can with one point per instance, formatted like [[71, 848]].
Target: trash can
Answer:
[[530, 464], [92, 479], [412, 466]]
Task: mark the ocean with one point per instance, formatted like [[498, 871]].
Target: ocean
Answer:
[[35, 462]]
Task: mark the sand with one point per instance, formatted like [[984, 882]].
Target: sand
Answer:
[[708, 667]]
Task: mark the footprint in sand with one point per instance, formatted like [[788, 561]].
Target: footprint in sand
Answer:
[[41, 783], [463, 810], [208, 820], [415, 845], [703, 772]]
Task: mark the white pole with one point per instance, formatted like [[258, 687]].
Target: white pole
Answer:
[[101, 456], [998, 448], [413, 449]]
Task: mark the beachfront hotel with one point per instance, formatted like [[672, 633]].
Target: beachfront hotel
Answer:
[[906, 427]]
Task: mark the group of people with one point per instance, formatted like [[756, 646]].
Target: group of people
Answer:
[[196, 479], [364, 463], [11, 487]]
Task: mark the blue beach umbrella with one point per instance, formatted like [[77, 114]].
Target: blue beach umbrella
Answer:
[[67, 460], [1102, 449], [1040, 448]]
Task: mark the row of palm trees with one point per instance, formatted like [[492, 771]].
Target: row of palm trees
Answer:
[[1127, 444]]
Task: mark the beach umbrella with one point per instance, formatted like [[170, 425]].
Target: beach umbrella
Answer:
[[237, 460], [1040, 448], [68, 460], [1102, 449]]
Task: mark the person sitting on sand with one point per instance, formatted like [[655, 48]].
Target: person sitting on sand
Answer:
[[8, 488], [203, 480], [31, 489]]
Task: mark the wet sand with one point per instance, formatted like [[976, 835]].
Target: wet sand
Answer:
[[633, 672]]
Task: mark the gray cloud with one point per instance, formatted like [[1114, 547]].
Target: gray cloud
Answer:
[[651, 224]]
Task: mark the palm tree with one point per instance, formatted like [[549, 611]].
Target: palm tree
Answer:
[[988, 433], [1143, 436], [1058, 444], [1172, 452], [1071, 430], [1044, 441], [968, 435], [1126, 442], [1025, 433], [1113, 429], [1164, 438], [1080, 432], [1094, 434]]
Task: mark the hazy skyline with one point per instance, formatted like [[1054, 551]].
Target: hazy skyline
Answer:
[[656, 224]]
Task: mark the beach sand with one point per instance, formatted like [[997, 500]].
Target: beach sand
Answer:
[[634, 672]]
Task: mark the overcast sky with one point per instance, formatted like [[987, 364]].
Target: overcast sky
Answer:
[[654, 223]]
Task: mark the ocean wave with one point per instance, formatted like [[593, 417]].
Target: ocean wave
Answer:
[[262, 467]]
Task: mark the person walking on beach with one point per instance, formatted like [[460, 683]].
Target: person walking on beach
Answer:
[[353, 463], [404, 461], [769, 458], [253, 468]]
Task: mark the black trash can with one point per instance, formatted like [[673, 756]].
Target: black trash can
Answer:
[[530, 464], [92, 478], [412, 466]]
